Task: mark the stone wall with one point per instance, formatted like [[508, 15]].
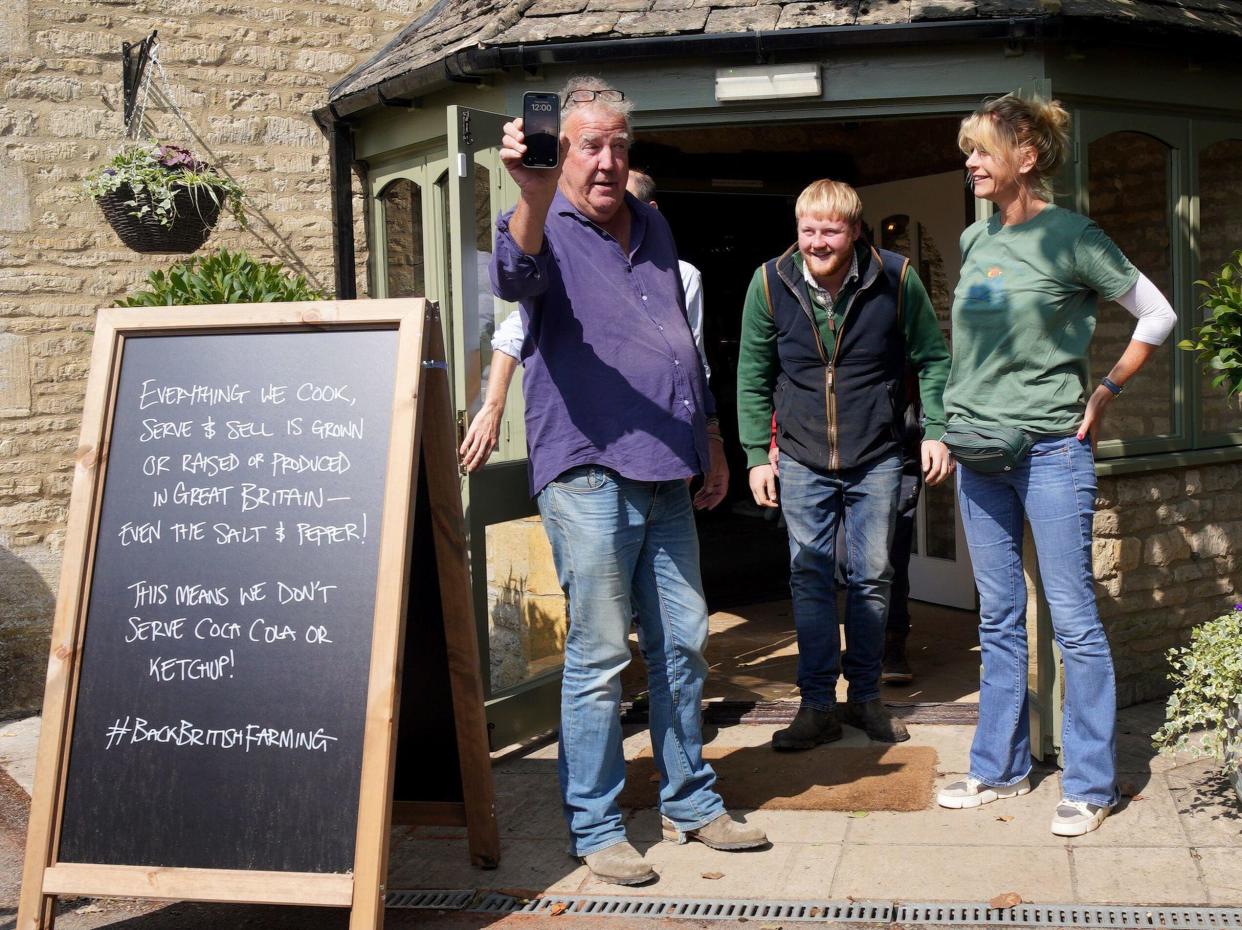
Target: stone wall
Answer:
[[246, 75], [1168, 556]]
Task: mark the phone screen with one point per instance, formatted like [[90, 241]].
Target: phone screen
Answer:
[[541, 124]]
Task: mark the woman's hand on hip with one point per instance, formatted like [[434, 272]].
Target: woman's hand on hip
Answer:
[[1100, 398]]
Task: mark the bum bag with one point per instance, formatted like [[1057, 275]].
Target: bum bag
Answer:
[[988, 449]]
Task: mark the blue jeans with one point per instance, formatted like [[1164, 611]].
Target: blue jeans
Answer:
[[623, 547], [815, 503], [1054, 488]]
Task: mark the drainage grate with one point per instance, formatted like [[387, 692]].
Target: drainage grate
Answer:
[[434, 900], [687, 908], [1104, 917], [1069, 915]]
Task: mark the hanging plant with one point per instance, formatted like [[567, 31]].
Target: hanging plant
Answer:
[[161, 199]]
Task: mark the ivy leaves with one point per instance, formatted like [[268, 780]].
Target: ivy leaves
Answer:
[[1208, 693]]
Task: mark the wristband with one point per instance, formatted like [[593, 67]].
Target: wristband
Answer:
[[1113, 387]]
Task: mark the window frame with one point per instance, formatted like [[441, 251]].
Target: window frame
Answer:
[[1091, 125], [1203, 134]]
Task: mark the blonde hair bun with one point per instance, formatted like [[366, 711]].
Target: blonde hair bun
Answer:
[[1006, 125]]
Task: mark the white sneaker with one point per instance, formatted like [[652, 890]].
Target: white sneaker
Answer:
[[973, 793], [1074, 818]]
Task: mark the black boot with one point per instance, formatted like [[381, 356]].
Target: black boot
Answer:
[[873, 717], [810, 727], [896, 669]]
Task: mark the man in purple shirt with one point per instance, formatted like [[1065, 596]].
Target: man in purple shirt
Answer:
[[618, 419]]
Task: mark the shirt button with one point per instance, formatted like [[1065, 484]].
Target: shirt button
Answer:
[[686, 402], [644, 296], [676, 362], [661, 328]]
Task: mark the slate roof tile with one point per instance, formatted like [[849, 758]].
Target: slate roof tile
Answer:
[[451, 25], [665, 22], [743, 18]]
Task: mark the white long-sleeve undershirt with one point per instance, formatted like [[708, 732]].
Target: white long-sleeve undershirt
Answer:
[[1155, 316]]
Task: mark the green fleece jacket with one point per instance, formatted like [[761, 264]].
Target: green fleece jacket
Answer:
[[759, 364]]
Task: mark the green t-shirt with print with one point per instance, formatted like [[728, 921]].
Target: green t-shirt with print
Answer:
[[1023, 315]]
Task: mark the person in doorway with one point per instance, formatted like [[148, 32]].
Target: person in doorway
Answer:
[[895, 666], [1023, 317], [618, 419], [828, 329], [484, 432]]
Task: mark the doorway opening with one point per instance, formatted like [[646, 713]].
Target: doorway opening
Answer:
[[729, 193]]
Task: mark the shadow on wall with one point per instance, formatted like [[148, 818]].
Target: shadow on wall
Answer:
[[26, 608]]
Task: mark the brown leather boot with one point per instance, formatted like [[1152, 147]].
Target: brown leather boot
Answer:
[[620, 864], [810, 727], [874, 718], [722, 833]]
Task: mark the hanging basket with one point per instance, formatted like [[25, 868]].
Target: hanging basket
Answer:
[[197, 214]]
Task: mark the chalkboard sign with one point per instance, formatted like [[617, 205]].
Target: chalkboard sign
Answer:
[[223, 688], [228, 632]]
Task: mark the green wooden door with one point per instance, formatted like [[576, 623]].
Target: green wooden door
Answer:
[[519, 607]]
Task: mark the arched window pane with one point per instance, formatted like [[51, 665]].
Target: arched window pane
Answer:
[[1220, 208], [1129, 191], [403, 238]]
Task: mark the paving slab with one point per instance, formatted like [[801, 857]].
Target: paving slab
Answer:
[[978, 826], [1207, 805], [1221, 869], [784, 827], [810, 872], [529, 807], [693, 870], [953, 873], [1120, 875], [1149, 818], [952, 744], [526, 866]]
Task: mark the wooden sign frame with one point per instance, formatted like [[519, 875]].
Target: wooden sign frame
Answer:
[[421, 419]]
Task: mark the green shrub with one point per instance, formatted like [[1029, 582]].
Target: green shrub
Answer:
[[1218, 339], [222, 278], [1208, 693]]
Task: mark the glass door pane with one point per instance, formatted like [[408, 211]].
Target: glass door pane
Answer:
[[519, 606]]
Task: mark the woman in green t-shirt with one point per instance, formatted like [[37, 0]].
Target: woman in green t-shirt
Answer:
[[1023, 315]]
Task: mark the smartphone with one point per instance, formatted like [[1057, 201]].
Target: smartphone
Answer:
[[541, 124]]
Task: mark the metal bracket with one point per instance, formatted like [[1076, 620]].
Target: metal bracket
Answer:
[[467, 135], [134, 58], [1015, 44], [438, 366], [409, 103]]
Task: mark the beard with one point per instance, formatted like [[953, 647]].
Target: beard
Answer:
[[827, 266]]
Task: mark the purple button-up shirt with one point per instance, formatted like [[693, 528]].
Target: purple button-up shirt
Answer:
[[611, 375]]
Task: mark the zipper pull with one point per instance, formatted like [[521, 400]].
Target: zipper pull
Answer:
[[830, 377]]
